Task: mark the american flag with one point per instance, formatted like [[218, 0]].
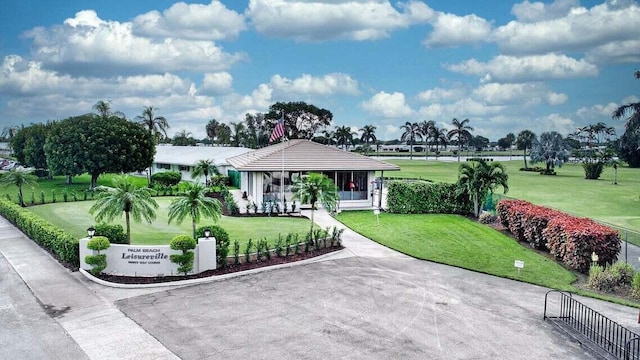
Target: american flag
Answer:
[[278, 131]]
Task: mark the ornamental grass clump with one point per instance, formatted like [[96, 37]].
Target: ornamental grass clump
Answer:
[[97, 261], [186, 244]]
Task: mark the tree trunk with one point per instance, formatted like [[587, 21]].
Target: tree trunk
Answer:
[[476, 208], [193, 225], [20, 196], [525, 158], [312, 215], [94, 180], [128, 223], [68, 180]]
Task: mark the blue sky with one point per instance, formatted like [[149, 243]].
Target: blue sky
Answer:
[[506, 66]]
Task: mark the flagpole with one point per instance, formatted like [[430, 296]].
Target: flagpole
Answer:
[[282, 176]]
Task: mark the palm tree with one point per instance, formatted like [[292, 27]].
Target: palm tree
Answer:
[[18, 177], [411, 134], [204, 167], [125, 197], [313, 188], [212, 129], [480, 178], [157, 125], [439, 136], [368, 136], [237, 134], [551, 149], [344, 136], [194, 203], [633, 109], [525, 140], [461, 132], [426, 128]]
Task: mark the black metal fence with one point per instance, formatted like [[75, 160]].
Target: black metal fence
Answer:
[[578, 319]]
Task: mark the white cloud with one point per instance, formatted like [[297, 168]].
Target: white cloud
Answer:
[[615, 52], [329, 84], [440, 94], [191, 21], [260, 98], [388, 105], [517, 94], [580, 29], [339, 19], [453, 30], [216, 83], [505, 68], [554, 122], [88, 45], [537, 11]]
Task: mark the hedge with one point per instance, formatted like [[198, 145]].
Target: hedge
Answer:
[[424, 198], [569, 239], [49, 236]]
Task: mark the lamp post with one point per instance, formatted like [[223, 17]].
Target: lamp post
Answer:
[[207, 233], [594, 258], [91, 231]]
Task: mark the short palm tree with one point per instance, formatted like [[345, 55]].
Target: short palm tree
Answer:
[[125, 197], [524, 141], [204, 168], [478, 178], [194, 203], [368, 136], [315, 188], [410, 135], [461, 132], [426, 129], [18, 177]]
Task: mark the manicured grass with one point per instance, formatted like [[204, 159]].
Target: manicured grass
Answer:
[[455, 240], [568, 191], [75, 218]]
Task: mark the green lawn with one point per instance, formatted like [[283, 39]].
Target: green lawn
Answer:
[[568, 191], [74, 218], [458, 241]]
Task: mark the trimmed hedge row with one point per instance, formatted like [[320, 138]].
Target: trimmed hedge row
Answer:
[[569, 239], [424, 198], [42, 232]]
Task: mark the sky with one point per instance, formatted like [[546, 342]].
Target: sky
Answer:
[[505, 65]]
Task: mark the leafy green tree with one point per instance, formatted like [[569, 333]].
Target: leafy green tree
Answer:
[[524, 141], [301, 120], [257, 131], [426, 130], [368, 136], [18, 177], [461, 132], [551, 149], [411, 133], [343, 136], [125, 197], [507, 141], [315, 188], [479, 142], [193, 202], [237, 134], [97, 145], [9, 132], [211, 129], [157, 125], [629, 142], [478, 178], [204, 168], [223, 133], [183, 138]]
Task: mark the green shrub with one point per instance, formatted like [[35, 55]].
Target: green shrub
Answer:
[[166, 178], [49, 236], [635, 286], [487, 218], [236, 252], [115, 233], [623, 273], [424, 198], [618, 275], [97, 261], [222, 242], [247, 251], [592, 170], [186, 244]]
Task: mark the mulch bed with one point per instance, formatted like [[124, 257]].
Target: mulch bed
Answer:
[[220, 271]]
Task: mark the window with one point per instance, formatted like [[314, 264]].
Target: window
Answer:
[[184, 168], [163, 166]]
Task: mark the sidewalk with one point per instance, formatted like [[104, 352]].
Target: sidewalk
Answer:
[[97, 326]]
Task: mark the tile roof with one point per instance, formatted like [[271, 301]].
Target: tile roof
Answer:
[[305, 155]]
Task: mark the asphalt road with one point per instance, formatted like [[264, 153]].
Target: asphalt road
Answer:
[[357, 308]]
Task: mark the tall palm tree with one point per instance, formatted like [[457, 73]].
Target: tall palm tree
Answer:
[[426, 128], [237, 133], [18, 177], [204, 168], [125, 197], [212, 129], [461, 132], [315, 188], [524, 141], [439, 136], [194, 203], [157, 125], [633, 109], [479, 178], [344, 136], [368, 135], [103, 108], [411, 134]]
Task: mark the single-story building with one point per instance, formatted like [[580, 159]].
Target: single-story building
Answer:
[[268, 174], [184, 158]]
